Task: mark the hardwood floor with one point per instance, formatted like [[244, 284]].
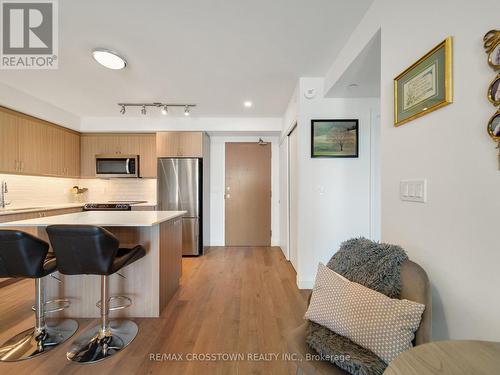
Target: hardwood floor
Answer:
[[231, 301]]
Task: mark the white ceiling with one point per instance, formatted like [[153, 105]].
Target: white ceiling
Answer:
[[215, 53], [364, 72]]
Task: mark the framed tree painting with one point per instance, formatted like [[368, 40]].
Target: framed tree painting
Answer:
[[425, 86], [334, 138]]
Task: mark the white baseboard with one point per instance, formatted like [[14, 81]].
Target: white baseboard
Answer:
[[305, 284]]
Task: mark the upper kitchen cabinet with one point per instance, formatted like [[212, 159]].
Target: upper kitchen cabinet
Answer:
[[36, 147], [119, 143], [9, 144], [180, 144]]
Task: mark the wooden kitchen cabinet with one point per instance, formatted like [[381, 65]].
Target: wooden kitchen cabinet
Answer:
[[179, 144], [9, 144], [119, 143], [71, 151], [35, 147]]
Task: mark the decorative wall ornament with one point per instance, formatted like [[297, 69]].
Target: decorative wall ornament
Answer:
[[492, 48], [425, 86]]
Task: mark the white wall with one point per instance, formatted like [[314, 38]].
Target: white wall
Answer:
[[22, 102], [454, 236], [217, 183], [128, 123], [334, 194]]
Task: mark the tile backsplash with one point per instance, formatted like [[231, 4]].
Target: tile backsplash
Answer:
[[28, 191], [129, 189]]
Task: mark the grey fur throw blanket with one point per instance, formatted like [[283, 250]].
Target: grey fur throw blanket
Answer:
[[376, 266]]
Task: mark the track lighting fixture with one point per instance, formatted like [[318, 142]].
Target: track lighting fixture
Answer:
[[164, 107]]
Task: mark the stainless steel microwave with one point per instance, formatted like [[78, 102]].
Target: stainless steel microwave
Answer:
[[117, 165]]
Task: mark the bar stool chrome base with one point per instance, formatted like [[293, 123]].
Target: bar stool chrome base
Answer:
[[32, 342], [91, 346]]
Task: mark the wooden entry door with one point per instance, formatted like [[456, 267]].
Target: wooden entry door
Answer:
[[248, 194]]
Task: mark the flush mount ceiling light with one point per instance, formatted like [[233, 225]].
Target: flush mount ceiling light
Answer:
[[164, 107], [109, 59], [248, 104]]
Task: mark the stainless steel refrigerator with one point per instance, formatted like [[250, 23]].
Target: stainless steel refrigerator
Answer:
[[180, 189]]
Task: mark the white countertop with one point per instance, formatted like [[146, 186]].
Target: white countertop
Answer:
[[20, 209], [101, 218]]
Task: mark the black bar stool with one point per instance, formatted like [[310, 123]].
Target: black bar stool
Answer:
[[90, 250], [23, 255]]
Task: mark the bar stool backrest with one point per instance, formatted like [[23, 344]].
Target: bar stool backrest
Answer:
[[21, 254], [83, 249]]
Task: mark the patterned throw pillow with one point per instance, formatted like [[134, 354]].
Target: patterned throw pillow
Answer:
[[384, 325]]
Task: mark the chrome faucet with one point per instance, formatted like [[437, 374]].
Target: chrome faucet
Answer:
[[4, 190]]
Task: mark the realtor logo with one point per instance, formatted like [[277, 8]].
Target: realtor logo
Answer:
[[29, 37]]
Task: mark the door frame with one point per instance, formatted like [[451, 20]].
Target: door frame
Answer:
[[284, 198], [293, 129]]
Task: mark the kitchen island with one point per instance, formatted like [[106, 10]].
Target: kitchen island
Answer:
[[150, 282]]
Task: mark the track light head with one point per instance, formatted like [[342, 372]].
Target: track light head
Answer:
[[164, 107]]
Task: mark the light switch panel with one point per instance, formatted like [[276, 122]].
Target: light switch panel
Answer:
[[413, 190]]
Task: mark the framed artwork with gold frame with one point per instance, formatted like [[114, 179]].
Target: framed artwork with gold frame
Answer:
[[425, 86]]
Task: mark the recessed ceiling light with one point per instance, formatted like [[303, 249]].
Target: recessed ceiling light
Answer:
[[164, 110], [109, 59], [186, 110], [248, 103]]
